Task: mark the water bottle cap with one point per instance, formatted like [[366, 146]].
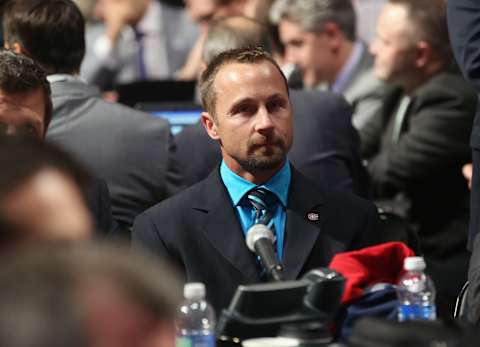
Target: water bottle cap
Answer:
[[414, 263], [194, 290]]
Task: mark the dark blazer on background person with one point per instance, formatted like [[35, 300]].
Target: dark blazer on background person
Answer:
[[325, 146], [424, 165], [464, 28], [127, 148], [199, 231], [97, 198]]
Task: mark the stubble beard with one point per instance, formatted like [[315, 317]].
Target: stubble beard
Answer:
[[266, 158]]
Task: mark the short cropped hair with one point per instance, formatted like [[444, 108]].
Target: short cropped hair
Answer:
[[428, 19], [52, 32], [43, 290], [312, 15], [222, 36], [244, 55], [20, 74]]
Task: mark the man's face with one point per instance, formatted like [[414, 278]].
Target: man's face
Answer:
[[393, 49], [132, 11], [48, 206], [23, 113], [204, 11], [253, 117], [309, 51], [201, 11]]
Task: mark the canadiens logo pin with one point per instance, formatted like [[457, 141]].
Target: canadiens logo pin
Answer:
[[312, 216]]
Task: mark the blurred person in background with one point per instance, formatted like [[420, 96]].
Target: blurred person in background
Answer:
[[86, 295], [129, 149], [463, 23], [417, 144], [203, 12], [137, 40], [320, 39], [26, 109]]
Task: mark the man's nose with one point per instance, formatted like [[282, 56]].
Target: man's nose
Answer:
[[263, 120]]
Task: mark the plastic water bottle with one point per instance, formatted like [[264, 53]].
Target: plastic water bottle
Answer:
[[416, 292], [195, 319]]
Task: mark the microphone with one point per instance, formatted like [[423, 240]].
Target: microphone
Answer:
[[260, 241]]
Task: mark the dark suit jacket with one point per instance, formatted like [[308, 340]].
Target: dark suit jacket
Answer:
[[424, 166], [97, 197], [464, 28], [198, 230], [325, 144], [127, 148]]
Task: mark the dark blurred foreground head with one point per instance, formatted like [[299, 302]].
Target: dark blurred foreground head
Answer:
[[41, 193], [86, 295]]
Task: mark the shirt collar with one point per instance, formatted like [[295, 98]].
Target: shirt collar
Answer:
[[339, 85], [64, 78], [237, 186]]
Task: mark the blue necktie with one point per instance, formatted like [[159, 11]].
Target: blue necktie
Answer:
[[260, 199]]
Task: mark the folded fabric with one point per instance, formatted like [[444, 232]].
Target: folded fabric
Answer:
[[368, 266]]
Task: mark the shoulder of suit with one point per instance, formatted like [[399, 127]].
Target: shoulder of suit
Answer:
[[449, 84], [178, 203]]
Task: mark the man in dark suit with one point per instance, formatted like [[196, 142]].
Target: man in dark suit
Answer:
[[127, 148], [320, 38], [202, 230], [463, 23], [462, 16], [326, 145], [26, 110], [417, 145]]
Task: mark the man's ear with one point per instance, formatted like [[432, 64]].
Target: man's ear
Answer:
[[424, 54], [333, 34], [210, 125], [14, 47]]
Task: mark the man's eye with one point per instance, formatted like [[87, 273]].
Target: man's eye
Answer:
[[274, 105], [246, 109]]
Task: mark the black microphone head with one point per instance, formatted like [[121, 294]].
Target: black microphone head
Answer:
[[256, 232]]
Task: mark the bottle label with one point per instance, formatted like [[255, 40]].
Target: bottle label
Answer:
[[416, 312], [195, 340]]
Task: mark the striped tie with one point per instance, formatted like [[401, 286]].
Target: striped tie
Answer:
[[257, 198]]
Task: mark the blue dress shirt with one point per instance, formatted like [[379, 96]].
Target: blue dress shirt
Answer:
[[238, 187]]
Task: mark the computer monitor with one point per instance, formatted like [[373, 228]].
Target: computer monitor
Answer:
[[178, 115]]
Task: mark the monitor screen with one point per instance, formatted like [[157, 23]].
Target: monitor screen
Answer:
[[179, 119], [178, 115]]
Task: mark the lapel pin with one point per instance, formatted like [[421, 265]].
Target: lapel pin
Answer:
[[312, 216]]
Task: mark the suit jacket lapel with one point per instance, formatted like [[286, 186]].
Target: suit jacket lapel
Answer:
[[222, 227], [303, 230]]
